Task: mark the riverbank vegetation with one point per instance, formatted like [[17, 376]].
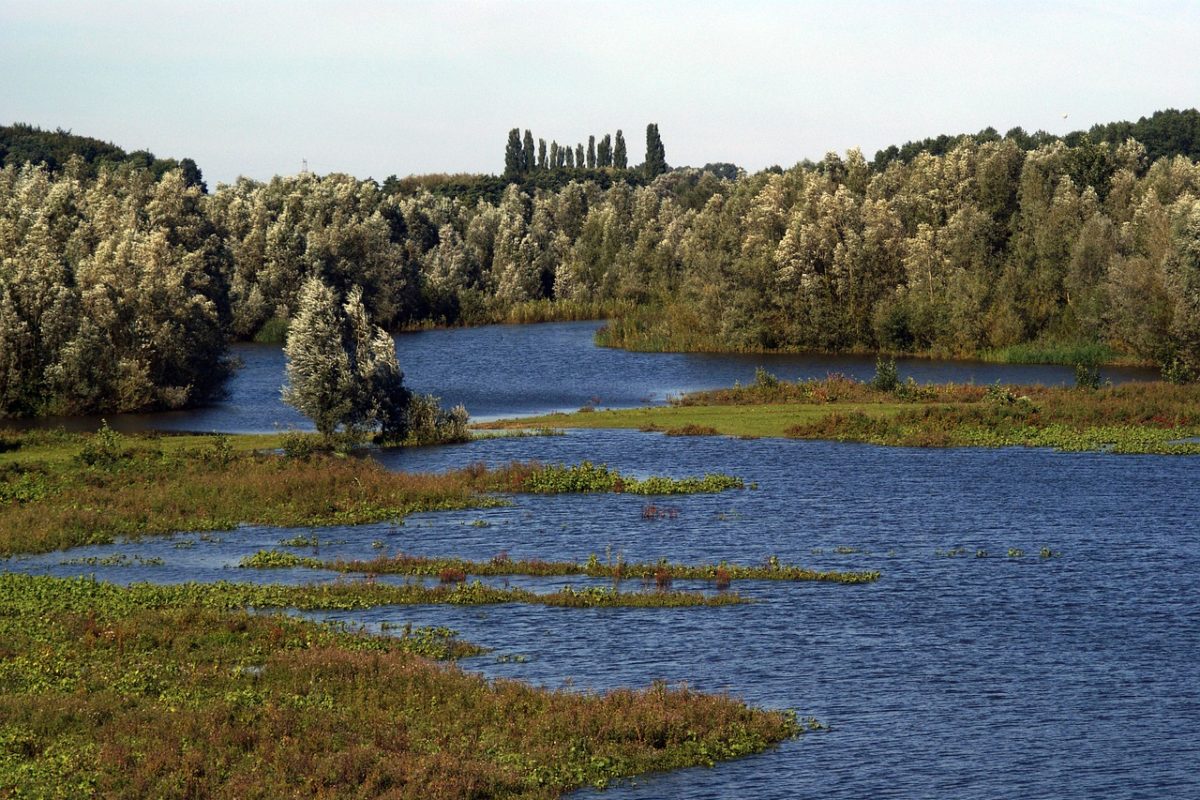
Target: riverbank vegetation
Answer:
[[121, 284], [1130, 418], [404, 564], [60, 490], [108, 692]]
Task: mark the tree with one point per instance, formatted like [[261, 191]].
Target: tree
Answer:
[[527, 155], [604, 154], [620, 158], [541, 156], [591, 152], [570, 158], [342, 370], [579, 157], [514, 155], [656, 155], [555, 156]]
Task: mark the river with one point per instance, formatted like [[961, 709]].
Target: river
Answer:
[[957, 674]]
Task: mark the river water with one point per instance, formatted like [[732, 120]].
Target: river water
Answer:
[[507, 370], [965, 676]]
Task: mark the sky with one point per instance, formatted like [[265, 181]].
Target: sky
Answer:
[[376, 88]]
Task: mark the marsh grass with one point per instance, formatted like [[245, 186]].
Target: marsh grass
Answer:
[[64, 491], [403, 564], [104, 692], [1153, 417]]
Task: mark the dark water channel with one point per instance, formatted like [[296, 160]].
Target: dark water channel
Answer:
[[507, 370], [956, 676]]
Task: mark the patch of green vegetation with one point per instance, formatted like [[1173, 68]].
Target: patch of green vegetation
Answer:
[[403, 564], [1053, 353], [170, 691], [589, 477], [273, 331], [65, 490], [1153, 418]]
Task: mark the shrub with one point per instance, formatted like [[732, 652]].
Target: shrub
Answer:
[[886, 377]]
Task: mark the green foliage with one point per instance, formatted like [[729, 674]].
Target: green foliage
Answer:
[[149, 691], [429, 423], [886, 377], [1087, 375], [402, 564], [589, 477], [105, 449], [342, 370]]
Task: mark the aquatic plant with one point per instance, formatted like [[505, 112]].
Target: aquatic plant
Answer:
[[160, 691], [594, 567]]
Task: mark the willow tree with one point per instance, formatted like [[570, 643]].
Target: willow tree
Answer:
[[342, 370]]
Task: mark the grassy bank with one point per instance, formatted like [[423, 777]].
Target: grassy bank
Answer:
[[402, 564], [60, 490], [678, 329], [106, 692], [1130, 418]]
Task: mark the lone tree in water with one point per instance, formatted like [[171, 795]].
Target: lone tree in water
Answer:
[[342, 370]]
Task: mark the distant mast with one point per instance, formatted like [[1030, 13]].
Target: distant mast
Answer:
[[304, 166]]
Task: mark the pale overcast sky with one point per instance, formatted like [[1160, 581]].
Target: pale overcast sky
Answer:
[[376, 88]]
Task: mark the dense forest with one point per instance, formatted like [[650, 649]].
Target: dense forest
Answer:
[[120, 284]]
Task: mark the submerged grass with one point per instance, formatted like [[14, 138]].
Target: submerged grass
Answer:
[[132, 693], [403, 564]]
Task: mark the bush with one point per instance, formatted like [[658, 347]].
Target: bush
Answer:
[[104, 449], [429, 423], [1087, 375], [886, 377]]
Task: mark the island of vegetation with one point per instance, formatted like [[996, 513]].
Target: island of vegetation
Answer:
[[1130, 418]]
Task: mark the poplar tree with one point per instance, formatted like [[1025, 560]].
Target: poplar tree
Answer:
[[656, 155], [527, 154], [604, 152], [591, 152], [620, 159], [570, 158], [579, 159], [513, 154], [541, 157], [555, 156]]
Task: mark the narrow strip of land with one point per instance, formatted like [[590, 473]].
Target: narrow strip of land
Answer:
[[1157, 418]]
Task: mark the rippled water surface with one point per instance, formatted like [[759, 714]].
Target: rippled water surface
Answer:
[[1073, 676], [506, 370], [964, 676]]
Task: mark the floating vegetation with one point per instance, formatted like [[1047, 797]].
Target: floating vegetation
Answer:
[[1016, 552], [589, 477], [845, 550], [953, 552], [1046, 552], [114, 560], [981, 553], [481, 523], [310, 540], [652, 511], [502, 564]]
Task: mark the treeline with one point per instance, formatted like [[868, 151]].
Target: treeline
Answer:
[[113, 291], [26, 144], [119, 290], [1164, 134]]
